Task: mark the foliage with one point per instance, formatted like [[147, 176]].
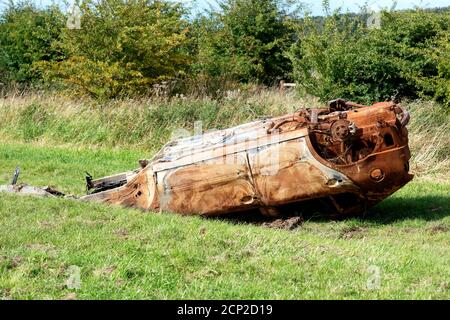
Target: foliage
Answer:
[[136, 47], [123, 47], [27, 35], [344, 58], [127, 254], [244, 41], [439, 85]]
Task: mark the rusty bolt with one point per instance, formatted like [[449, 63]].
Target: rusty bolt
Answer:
[[377, 174]]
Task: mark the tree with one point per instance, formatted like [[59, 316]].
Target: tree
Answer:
[[244, 41], [123, 47], [27, 35], [342, 57]]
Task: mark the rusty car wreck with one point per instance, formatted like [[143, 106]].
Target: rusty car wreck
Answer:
[[348, 155]]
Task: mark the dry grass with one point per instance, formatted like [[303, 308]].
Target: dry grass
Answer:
[[429, 132]]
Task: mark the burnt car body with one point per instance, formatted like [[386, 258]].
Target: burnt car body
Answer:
[[349, 155]]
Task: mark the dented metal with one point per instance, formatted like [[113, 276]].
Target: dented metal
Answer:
[[348, 155]]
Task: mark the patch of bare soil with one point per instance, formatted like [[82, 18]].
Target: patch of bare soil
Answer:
[[44, 248], [285, 223], [438, 229], [46, 224], [16, 261], [122, 233], [5, 294], [104, 272], [11, 263], [352, 232], [70, 296]]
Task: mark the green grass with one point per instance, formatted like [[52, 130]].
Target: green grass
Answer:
[[63, 167], [132, 124], [124, 253]]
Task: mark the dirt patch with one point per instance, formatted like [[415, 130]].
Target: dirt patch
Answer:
[[286, 224], [70, 296], [120, 282], [122, 233], [16, 261], [202, 231], [438, 229], [46, 224], [104, 272], [407, 230], [96, 222], [48, 249], [254, 217], [352, 233], [11, 263], [443, 287], [5, 294]]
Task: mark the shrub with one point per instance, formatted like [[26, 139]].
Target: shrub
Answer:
[[123, 47], [344, 58], [27, 35], [244, 41], [439, 85]]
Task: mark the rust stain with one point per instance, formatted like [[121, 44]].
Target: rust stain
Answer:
[[352, 155]]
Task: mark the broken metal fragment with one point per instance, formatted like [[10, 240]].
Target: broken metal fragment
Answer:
[[15, 175]]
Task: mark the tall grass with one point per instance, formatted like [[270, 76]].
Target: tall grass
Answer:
[[145, 124], [430, 139]]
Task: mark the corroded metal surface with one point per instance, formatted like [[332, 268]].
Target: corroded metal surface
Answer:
[[349, 155]]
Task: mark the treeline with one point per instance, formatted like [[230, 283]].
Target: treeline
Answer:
[[139, 47]]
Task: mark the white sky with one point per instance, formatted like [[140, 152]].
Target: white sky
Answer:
[[354, 5], [314, 6]]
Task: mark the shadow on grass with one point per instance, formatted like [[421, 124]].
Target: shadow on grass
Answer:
[[391, 210], [427, 208]]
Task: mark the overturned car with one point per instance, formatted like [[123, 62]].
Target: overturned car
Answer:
[[346, 156]]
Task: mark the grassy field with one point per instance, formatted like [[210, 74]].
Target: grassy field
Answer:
[[400, 250]]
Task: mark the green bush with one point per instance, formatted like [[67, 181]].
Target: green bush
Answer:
[[344, 58], [125, 47], [439, 85], [122, 48], [27, 35], [244, 41]]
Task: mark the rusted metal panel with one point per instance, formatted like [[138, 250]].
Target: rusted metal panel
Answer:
[[298, 176], [352, 155]]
